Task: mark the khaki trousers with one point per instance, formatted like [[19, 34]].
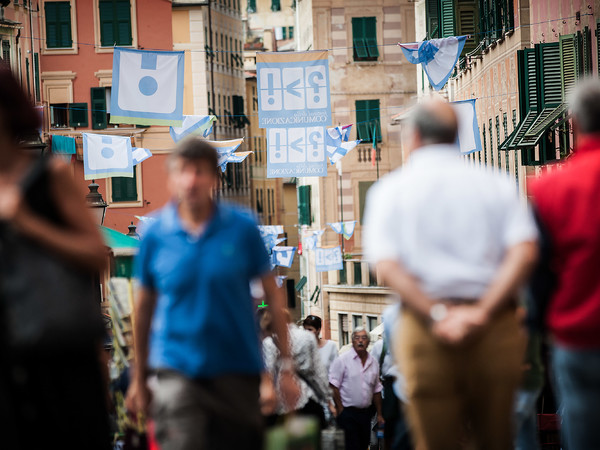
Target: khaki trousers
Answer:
[[464, 393]]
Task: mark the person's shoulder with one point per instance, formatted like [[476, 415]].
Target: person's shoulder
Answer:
[[238, 215]]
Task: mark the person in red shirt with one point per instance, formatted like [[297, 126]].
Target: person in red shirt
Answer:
[[567, 206]]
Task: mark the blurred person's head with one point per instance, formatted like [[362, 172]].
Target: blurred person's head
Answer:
[[313, 324], [18, 118], [266, 320], [193, 172], [360, 340], [585, 107], [432, 122]]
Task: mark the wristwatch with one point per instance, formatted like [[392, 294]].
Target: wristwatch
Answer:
[[438, 312]]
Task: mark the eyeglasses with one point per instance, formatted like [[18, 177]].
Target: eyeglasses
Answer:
[[361, 338]]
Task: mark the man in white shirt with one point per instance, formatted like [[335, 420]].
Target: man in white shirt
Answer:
[[456, 243]]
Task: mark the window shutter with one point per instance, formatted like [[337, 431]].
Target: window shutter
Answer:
[[550, 74], [373, 117], [531, 80], [124, 189], [275, 5], [371, 36], [586, 51], [58, 24], [484, 146], [107, 35], [98, 105], [433, 18], [598, 45], [568, 62], [251, 8], [123, 22], [78, 115], [304, 213], [362, 127], [447, 18], [358, 38], [467, 17]]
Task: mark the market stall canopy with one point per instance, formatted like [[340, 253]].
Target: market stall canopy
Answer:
[[120, 244]]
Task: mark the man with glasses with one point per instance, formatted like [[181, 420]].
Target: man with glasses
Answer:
[[354, 378]]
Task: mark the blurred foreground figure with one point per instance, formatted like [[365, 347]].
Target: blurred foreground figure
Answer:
[[566, 203], [195, 318], [51, 385], [456, 243]]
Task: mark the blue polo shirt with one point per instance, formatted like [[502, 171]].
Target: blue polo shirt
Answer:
[[204, 323]]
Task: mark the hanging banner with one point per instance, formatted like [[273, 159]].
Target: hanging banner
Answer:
[[329, 259], [293, 89], [106, 156], [283, 256], [469, 138], [147, 87], [296, 152]]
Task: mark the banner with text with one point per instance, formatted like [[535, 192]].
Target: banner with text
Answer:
[[293, 89], [296, 152], [329, 259]]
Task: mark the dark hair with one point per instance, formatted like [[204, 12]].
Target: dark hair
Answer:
[[195, 149], [313, 321], [19, 118], [431, 128]]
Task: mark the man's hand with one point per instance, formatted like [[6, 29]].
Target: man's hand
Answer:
[[138, 397], [290, 391], [463, 323]]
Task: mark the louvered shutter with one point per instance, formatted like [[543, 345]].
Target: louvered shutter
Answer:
[[358, 38], [123, 22], [371, 36], [362, 125], [550, 73], [568, 62], [98, 105], [433, 18], [447, 18], [374, 120], [467, 18], [78, 115], [58, 24], [124, 189], [586, 51], [304, 213]]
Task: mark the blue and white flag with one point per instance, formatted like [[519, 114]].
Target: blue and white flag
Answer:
[[346, 229], [342, 151], [437, 57], [234, 158], [193, 125], [280, 279], [147, 87], [469, 138], [106, 156], [269, 235], [329, 259], [283, 256], [140, 154], [311, 241]]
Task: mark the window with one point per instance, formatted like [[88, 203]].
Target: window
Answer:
[[498, 142], [63, 115], [484, 146], [58, 24], [372, 322], [357, 273], [59, 115], [251, 6], [343, 329], [304, 212], [78, 115], [275, 5], [445, 18], [343, 274], [100, 99], [357, 321], [364, 38], [115, 22], [5, 50], [363, 187], [124, 189], [367, 120]]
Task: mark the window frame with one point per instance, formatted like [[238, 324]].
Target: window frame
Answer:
[[364, 115], [74, 49], [127, 204], [97, 34], [367, 51]]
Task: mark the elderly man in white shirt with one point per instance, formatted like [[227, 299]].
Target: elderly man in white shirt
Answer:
[[456, 243]]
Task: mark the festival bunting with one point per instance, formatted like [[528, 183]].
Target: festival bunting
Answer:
[[296, 152], [283, 256], [193, 125], [329, 259], [140, 154], [106, 156], [234, 158], [311, 241], [147, 87], [346, 229], [469, 138], [342, 151], [437, 57]]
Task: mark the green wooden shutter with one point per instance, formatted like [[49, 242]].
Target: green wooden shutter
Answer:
[[58, 24], [107, 31], [359, 39], [532, 85], [363, 187], [548, 55], [586, 51], [467, 19], [362, 118], [275, 5], [115, 22], [36, 74], [123, 22], [484, 146], [124, 189], [447, 18], [78, 115], [304, 213], [598, 45], [568, 62], [371, 36], [251, 8], [432, 18], [373, 117], [98, 106]]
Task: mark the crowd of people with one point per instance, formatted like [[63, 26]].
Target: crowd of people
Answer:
[[481, 277]]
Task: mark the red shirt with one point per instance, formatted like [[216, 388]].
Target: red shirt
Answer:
[[568, 204]]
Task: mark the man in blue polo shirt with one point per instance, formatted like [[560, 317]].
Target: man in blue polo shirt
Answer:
[[194, 317]]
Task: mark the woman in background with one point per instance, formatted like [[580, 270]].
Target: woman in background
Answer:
[[328, 351]]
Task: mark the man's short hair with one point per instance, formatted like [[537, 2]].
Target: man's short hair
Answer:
[[585, 106], [431, 128], [194, 149], [360, 330]]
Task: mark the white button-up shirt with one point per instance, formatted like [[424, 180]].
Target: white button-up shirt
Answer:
[[447, 223], [356, 383]]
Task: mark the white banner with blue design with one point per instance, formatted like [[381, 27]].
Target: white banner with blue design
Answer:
[[296, 152], [311, 241], [106, 156], [283, 256], [193, 125], [346, 229], [469, 138], [269, 235], [329, 259], [234, 158], [437, 57], [342, 151], [293, 89], [140, 154], [147, 87]]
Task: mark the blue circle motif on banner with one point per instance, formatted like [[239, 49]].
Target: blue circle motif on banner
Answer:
[[148, 85], [107, 152]]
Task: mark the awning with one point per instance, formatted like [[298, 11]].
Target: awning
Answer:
[[544, 120], [121, 244], [521, 129]]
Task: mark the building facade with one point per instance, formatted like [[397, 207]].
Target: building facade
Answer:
[[370, 81]]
